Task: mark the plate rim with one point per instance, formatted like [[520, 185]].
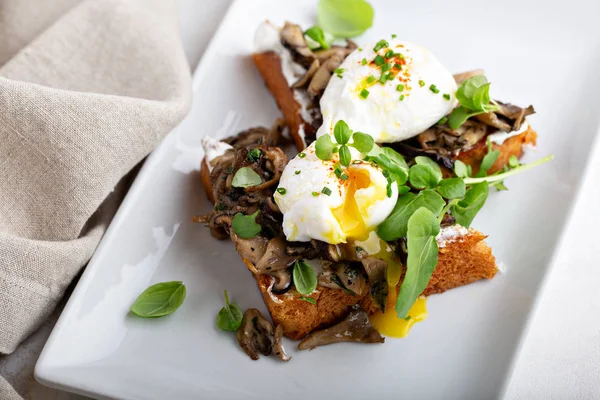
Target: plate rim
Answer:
[[47, 375]]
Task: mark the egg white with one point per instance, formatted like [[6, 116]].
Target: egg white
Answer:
[[382, 114], [307, 216]]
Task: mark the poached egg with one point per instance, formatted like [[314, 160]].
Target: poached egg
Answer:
[[392, 90], [319, 204]]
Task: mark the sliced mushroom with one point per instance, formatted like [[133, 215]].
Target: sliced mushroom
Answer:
[[283, 281], [515, 114], [355, 328], [305, 80], [275, 161], [412, 152], [491, 119], [376, 270], [278, 344], [463, 76], [344, 276], [248, 137], [333, 51], [292, 37], [254, 334], [321, 78], [274, 258], [471, 132]]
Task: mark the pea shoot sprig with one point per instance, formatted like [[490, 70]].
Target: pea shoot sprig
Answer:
[[474, 98], [425, 197], [325, 147]]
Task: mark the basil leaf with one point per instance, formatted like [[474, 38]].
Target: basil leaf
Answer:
[[489, 159], [305, 277], [460, 169], [245, 226], [362, 142], [423, 177], [324, 147], [159, 300], [465, 211], [317, 34], [342, 132], [396, 224], [245, 177], [345, 18], [451, 188], [229, 317], [422, 247], [345, 156]]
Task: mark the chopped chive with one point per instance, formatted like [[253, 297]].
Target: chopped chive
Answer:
[[309, 300], [421, 83], [401, 56], [434, 88], [407, 318], [401, 97], [446, 96], [386, 67], [364, 61], [397, 66], [364, 93], [400, 87], [315, 194], [384, 77], [339, 72], [253, 155], [389, 53], [443, 121], [380, 45], [326, 191], [302, 155], [371, 79], [394, 36], [297, 172], [379, 61], [360, 49], [281, 191]]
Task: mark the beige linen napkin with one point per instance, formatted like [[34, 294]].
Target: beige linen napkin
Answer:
[[87, 90]]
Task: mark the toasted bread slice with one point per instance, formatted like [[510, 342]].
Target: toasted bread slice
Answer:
[[269, 66], [512, 146], [461, 262], [206, 181]]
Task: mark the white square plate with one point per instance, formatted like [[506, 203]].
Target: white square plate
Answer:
[[464, 350]]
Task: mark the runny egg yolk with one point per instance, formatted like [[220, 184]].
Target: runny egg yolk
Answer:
[[360, 195], [389, 324]]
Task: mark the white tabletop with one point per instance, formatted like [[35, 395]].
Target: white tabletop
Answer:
[[560, 358]]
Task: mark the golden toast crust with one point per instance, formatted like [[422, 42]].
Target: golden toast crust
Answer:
[[461, 262]]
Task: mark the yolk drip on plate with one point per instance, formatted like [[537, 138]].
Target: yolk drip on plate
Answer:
[[389, 324], [349, 215]]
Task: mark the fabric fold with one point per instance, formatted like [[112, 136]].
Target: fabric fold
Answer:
[[86, 92]]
